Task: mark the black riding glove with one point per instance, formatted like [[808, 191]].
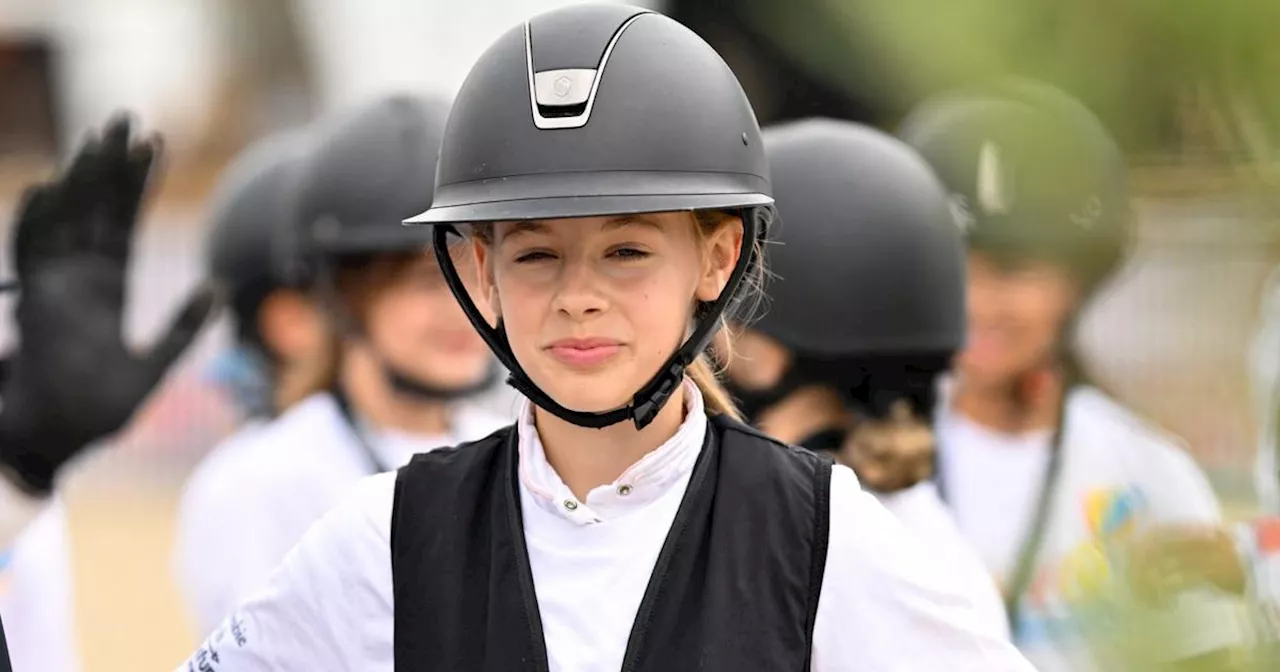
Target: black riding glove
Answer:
[[73, 380]]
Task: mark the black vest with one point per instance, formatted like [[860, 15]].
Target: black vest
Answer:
[[735, 586]]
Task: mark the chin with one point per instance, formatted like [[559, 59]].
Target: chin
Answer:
[[451, 379], [987, 377], [589, 394]]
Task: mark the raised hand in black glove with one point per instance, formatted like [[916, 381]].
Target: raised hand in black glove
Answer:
[[73, 380]]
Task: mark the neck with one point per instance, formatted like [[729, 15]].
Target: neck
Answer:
[[802, 414], [586, 458], [1031, 403], [375, 400]]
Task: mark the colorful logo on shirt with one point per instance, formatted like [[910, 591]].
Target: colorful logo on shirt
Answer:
[[1080, 587], [1113, 513]]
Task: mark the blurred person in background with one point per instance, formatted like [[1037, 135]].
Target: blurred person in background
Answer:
[[72, 381], [1048, 477], [400, 382], [627, 520], [865, 310], [278, 328], [282, 348]]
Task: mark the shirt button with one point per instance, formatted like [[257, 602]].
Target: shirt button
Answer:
[[570, 505], [624, 490]]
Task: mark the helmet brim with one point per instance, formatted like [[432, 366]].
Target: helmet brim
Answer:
[[590, 195]]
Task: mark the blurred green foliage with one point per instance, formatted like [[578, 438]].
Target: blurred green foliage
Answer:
[[1183, 80]]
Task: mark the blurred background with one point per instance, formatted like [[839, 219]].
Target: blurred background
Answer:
[[1190, 89]]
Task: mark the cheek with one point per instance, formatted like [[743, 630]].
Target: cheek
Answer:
[[659, 309], [1038, 317], [523, 299], [390, 316], [405, 313]]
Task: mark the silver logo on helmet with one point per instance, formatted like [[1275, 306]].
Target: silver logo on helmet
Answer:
[[562, 87], [995, 182]]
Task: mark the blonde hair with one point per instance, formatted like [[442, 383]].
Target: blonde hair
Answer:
[[703, 372]]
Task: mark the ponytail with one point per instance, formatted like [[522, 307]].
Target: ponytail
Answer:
[[714, 396]]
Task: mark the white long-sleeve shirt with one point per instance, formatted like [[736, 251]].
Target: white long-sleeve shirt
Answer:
[[887, 603], [255, 495], [35, 583]]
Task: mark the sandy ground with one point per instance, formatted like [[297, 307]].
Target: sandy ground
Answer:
[[128, 612]]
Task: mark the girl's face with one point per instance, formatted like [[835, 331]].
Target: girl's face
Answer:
[[594, 306], [1016, 316], [419, 328]]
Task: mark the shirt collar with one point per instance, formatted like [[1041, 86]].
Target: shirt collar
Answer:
[[642, 483]]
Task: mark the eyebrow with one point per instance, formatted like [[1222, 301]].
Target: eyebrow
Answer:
[[527, 226], [621, 221], [630, 220]]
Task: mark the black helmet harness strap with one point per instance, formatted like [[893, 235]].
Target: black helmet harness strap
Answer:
[[650, 399]]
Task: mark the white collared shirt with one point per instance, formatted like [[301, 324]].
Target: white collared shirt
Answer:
[[887, 603]]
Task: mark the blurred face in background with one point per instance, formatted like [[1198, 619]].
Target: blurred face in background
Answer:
[[1017, 312], [413, 322], [754, 361]]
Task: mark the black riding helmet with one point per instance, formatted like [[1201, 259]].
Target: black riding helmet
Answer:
[[869, 257], [371, 169], [1032, 174], [600, 110], [252, 207], [868, 288]]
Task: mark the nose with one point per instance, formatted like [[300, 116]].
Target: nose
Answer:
[[578, 296]]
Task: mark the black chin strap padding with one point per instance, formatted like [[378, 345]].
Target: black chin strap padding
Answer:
[[653, 396], [411, 387]]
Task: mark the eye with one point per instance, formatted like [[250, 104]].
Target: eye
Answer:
[[533, 256], [628, 253]]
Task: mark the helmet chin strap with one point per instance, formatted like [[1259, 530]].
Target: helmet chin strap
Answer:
[[653, 396], [413, 388]]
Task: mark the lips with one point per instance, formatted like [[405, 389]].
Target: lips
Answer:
[[584, 352]]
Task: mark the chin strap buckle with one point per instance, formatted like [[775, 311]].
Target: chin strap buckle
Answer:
[[649, 401]]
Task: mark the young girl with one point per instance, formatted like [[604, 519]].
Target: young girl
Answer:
[[1048, 477], [404, 359], [866, 309], [611, 176]]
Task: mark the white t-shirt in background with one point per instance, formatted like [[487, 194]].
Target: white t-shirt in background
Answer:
[[1119, 474], [256, 494]]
